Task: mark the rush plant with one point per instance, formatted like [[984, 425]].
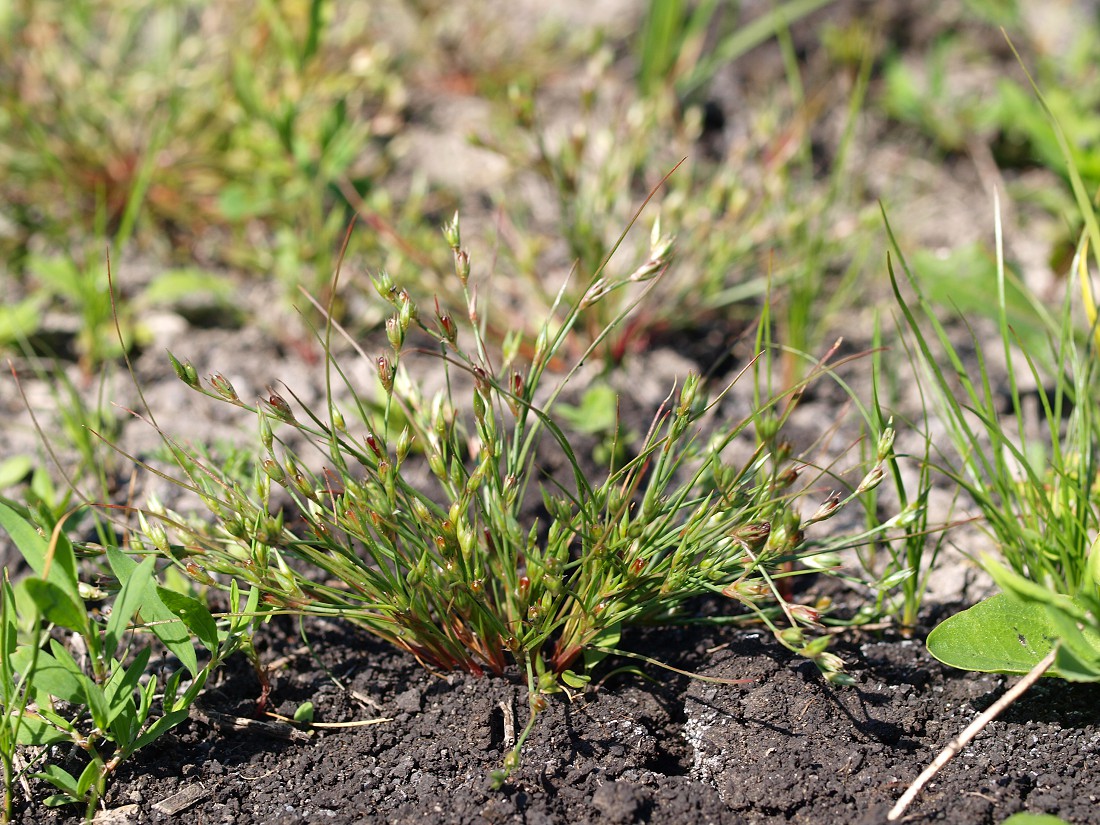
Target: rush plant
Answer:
[[418, 516]]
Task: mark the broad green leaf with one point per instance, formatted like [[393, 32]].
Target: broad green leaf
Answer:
[[59, 799], [35, 730], [1034, 819], [88, 777], [161, 619], [9, 637], [304, 712], [96, 702], [1074, 622], [999, 635], [60, 779], [1078, 658], [51, 677], [136, 588], [54, 605], [120, 690], [160, 727], [195, 616], [575, 680], [36, 550]]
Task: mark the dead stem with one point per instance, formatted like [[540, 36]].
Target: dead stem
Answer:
[[972, 730]]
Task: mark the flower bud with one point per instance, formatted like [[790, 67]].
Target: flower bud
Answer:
[[263, 487], [792, 637], [599, 288], [267, 437], [481, 380], [753, 535], [389, 478], [386, 373], [383, 285], [826, 510], [185, 372], [421, 511], [273, 470], [375, 447], [886, 442], [783, 451], [785, 479], [806, 614], [872, 480], [271, 529], [447, 328], [542, 343], [462, 266], [155, 533], [305, 487], [467, 539], [748, 591], [767, 426], [687, 394], [660, 254], [452, 234], [197, 573], [829, 662], [404, 443], [475, 479], [457, 472], [406, 309], [395, 333]]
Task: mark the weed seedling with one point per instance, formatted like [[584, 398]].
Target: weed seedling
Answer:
[[94, 695]]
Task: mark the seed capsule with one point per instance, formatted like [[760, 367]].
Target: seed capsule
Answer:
[[223, 388], [280, 407]]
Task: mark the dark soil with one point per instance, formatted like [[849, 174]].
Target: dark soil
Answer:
[[784, 747], [645, 747]]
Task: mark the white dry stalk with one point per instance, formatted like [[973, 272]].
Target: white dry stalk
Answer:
[[972, 730]]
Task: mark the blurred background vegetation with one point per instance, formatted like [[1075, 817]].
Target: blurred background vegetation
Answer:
[[226, 147]]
